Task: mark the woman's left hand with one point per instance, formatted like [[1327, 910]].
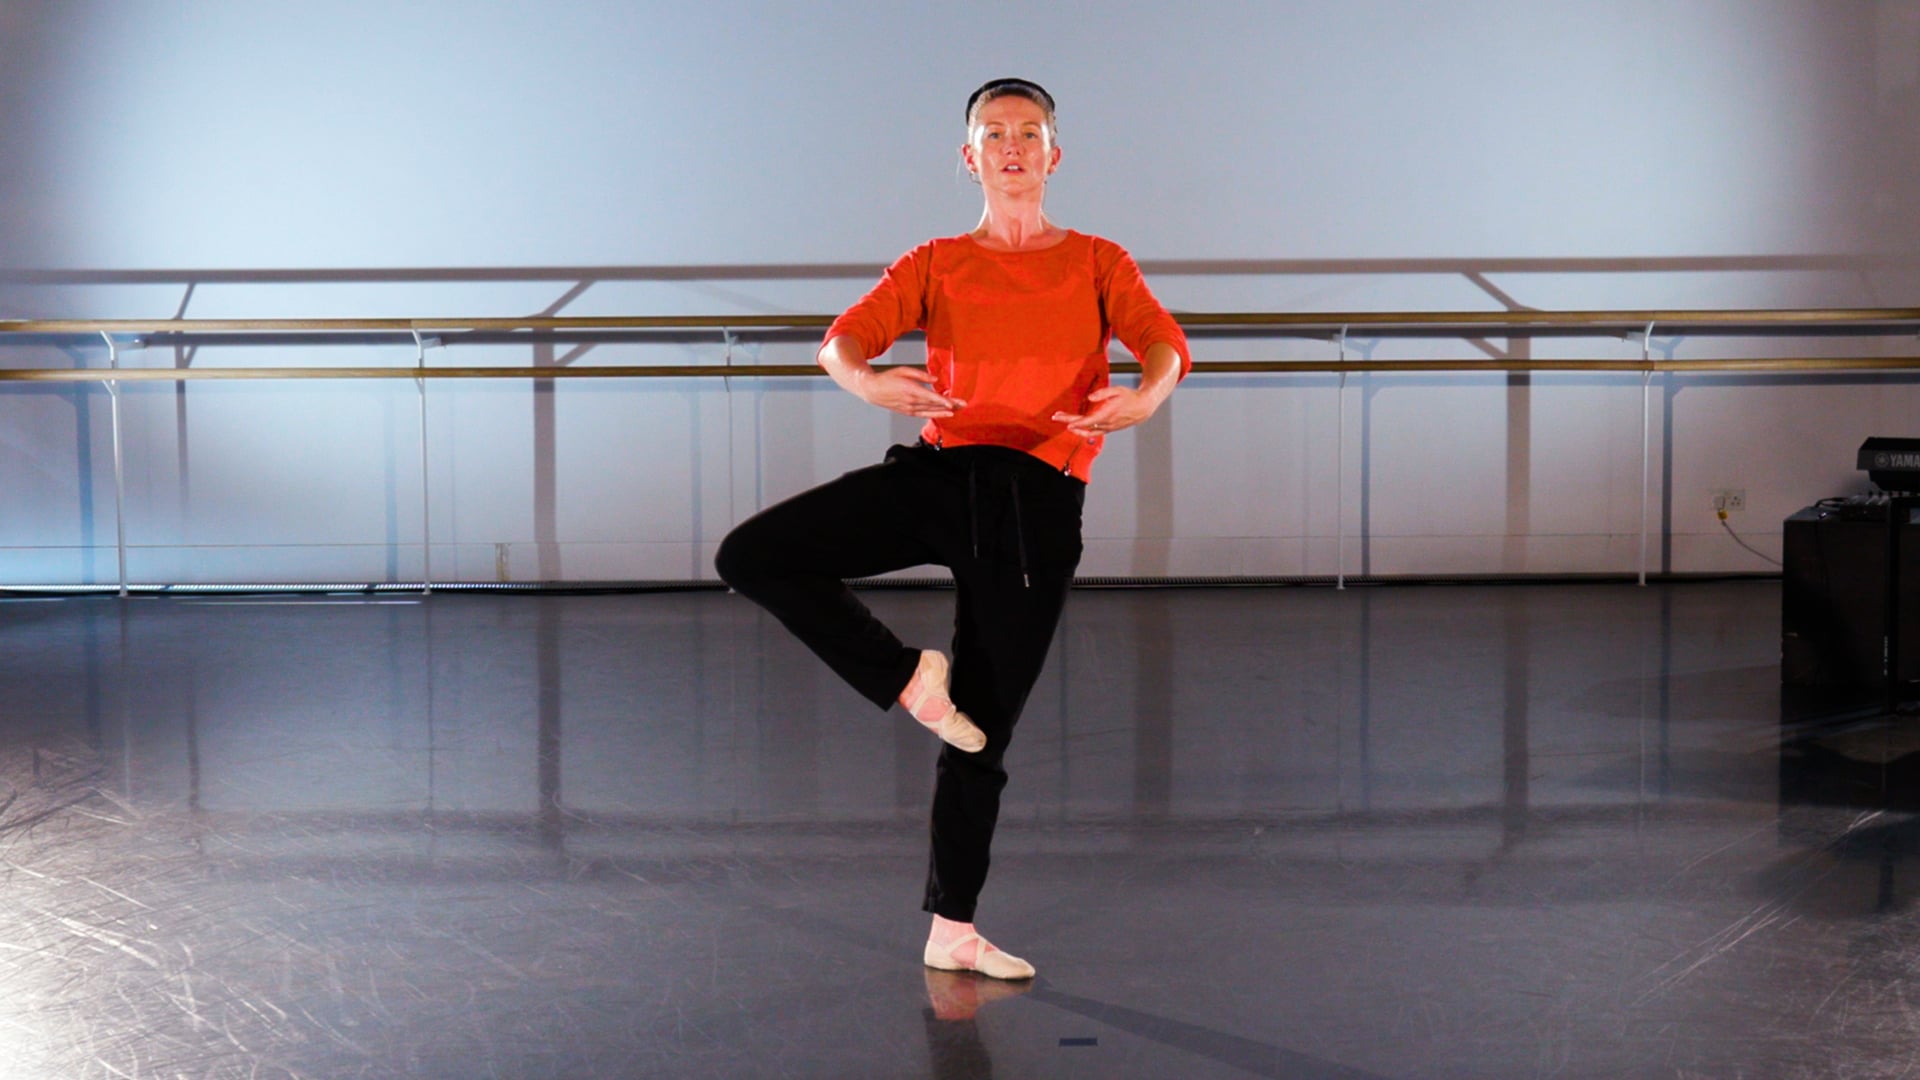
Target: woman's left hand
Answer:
[[1116, 408], [1110, 409]]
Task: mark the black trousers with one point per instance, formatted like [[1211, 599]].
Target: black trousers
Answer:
[[1008, 526]]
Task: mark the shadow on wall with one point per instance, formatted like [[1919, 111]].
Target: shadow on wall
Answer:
[[21, 242]]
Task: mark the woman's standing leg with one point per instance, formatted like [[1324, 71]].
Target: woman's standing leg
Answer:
[[1009, 606], [1001, 640]]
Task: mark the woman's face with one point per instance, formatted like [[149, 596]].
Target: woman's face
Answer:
[[1010, 147]]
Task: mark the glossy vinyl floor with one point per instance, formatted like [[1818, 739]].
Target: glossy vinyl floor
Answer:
[[1468, 831]]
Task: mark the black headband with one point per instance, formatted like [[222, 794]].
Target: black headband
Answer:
[[1022, 87]]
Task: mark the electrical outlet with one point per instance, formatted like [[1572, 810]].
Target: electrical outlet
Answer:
[[1732, 500]]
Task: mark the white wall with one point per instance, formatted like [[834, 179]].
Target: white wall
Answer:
[[1354, 136]]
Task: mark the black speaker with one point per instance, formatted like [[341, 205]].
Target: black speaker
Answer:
[[1833, 603]]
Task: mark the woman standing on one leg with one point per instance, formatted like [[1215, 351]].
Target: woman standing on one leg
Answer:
[[1018, 314]]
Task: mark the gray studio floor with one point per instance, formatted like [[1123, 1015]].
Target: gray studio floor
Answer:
[[1464, 831]]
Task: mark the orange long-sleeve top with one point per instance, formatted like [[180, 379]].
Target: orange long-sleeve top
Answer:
[[1017, 335]]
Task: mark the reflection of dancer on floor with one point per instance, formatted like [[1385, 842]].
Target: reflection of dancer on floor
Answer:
[[1018, 314]]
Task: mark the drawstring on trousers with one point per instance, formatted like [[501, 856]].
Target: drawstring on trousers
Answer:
[[1020, 534], [1019, 520], [973, 509]]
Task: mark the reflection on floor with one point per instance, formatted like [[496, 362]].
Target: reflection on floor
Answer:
[[1486, 831]]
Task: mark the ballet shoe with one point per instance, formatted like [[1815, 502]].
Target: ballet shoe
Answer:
[[926, 699], [958, 995], [987, 959]]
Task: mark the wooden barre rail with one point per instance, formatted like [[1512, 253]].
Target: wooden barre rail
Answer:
[[1890, 320], [1812, 364], [1814, 321], [1337, 326], [1856, 263]]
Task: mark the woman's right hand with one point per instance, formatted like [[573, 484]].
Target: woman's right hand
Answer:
[[904, 390]]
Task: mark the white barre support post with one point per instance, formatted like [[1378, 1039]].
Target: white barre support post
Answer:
[[726, 402], [1646, 442], [426, 506], [119, 464], [1340, 472]]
